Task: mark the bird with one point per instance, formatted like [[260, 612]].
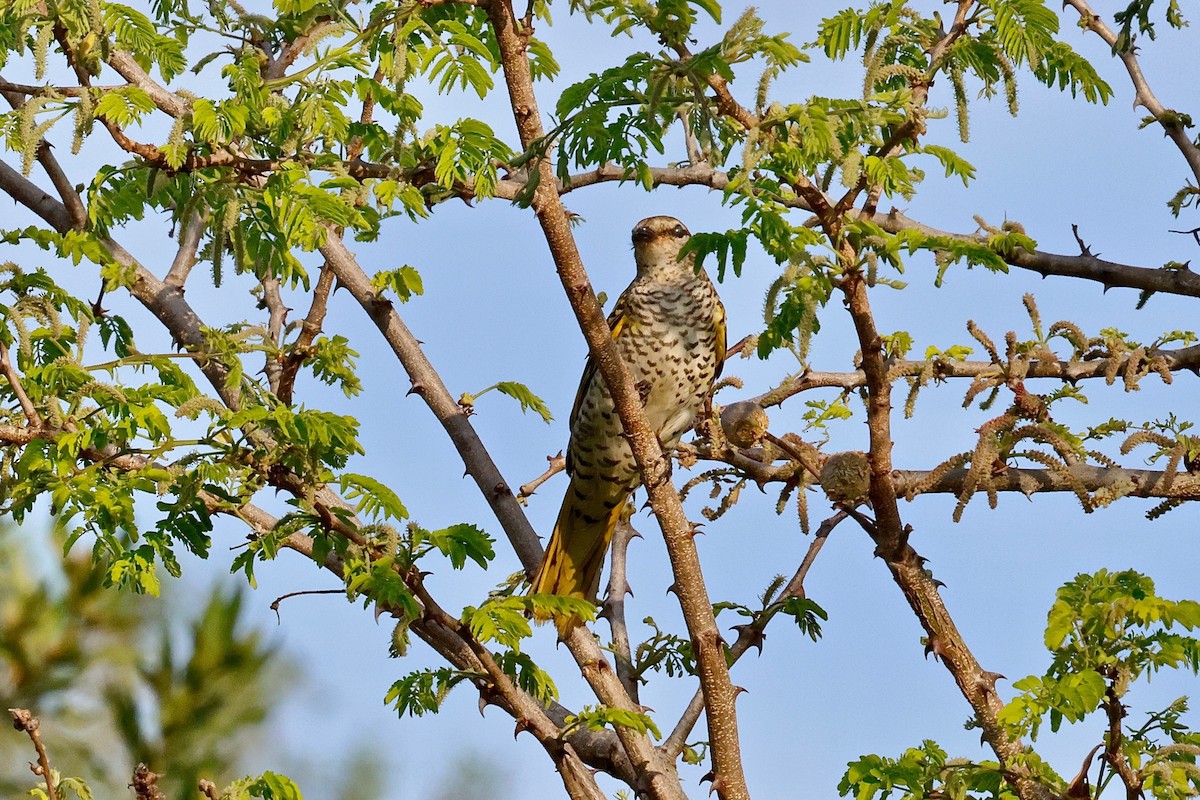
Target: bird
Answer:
[[669, 328]]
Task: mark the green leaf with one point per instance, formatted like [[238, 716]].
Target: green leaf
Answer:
[[422, 692], [458, 543], [403, 281], [528, 400], [374, 498], [598, 717], [273, 786], [124, 106]]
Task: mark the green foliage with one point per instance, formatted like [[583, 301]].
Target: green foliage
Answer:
[[186, 698], [268, 786], [1114, 621], [458, 543], [1138, 11], [598, 717], [308, 124], [1105, 631], [404, 282], [518, 391], [923, 771], [423, 692], [663, 652]]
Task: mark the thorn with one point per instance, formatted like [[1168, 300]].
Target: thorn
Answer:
[[417, 388], [483, 704], [753, 634], [674, 587], [986, 681], [711, 775], [933, 645], [1079, 786], [522, 725], [739, 689]]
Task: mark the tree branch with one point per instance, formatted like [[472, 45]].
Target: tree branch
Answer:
[[25, 721], [1187, 358], [752, 635], [1085, 265], [614, 608], [9, 371], [728, 777], [427, 384], [301, 348], [277, 318], [190, 232], [558, 463], [978, 686], [1170, 120]]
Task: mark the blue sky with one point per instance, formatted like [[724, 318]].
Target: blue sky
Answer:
[[493, 310]]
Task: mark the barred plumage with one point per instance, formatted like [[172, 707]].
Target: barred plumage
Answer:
[[669, 327]]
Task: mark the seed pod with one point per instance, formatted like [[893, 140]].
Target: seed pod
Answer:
[[744, 423], [846, 477]]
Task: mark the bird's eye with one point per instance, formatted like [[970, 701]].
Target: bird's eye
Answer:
[[679, 232], [641, 234]]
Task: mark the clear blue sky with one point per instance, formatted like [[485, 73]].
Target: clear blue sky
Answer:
[[493, 310]]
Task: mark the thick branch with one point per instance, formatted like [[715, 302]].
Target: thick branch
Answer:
[[9, 371], [978, 686], [1086, 266], [909, 483], [729, 780], [890, 536], [427, 384], [614, 608], [1187, 358], [191, 229]]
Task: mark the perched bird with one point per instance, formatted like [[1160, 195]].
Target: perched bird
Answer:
[[669, 327]]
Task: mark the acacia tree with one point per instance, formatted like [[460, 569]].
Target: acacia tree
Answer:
[[310, 140]]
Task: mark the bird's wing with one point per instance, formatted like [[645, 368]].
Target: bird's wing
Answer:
[[719, 322], [616, 321]]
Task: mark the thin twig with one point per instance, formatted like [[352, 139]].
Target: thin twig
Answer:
[[24, 720], [299, 350], [275, 603], [614, 608], [751, 636], [557, 464], [795, 453], [190, 233], [276, 319]]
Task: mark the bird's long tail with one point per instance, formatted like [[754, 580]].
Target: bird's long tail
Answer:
[[575, 555]]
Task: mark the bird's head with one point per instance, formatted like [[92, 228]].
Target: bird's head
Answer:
[[656, 245]]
